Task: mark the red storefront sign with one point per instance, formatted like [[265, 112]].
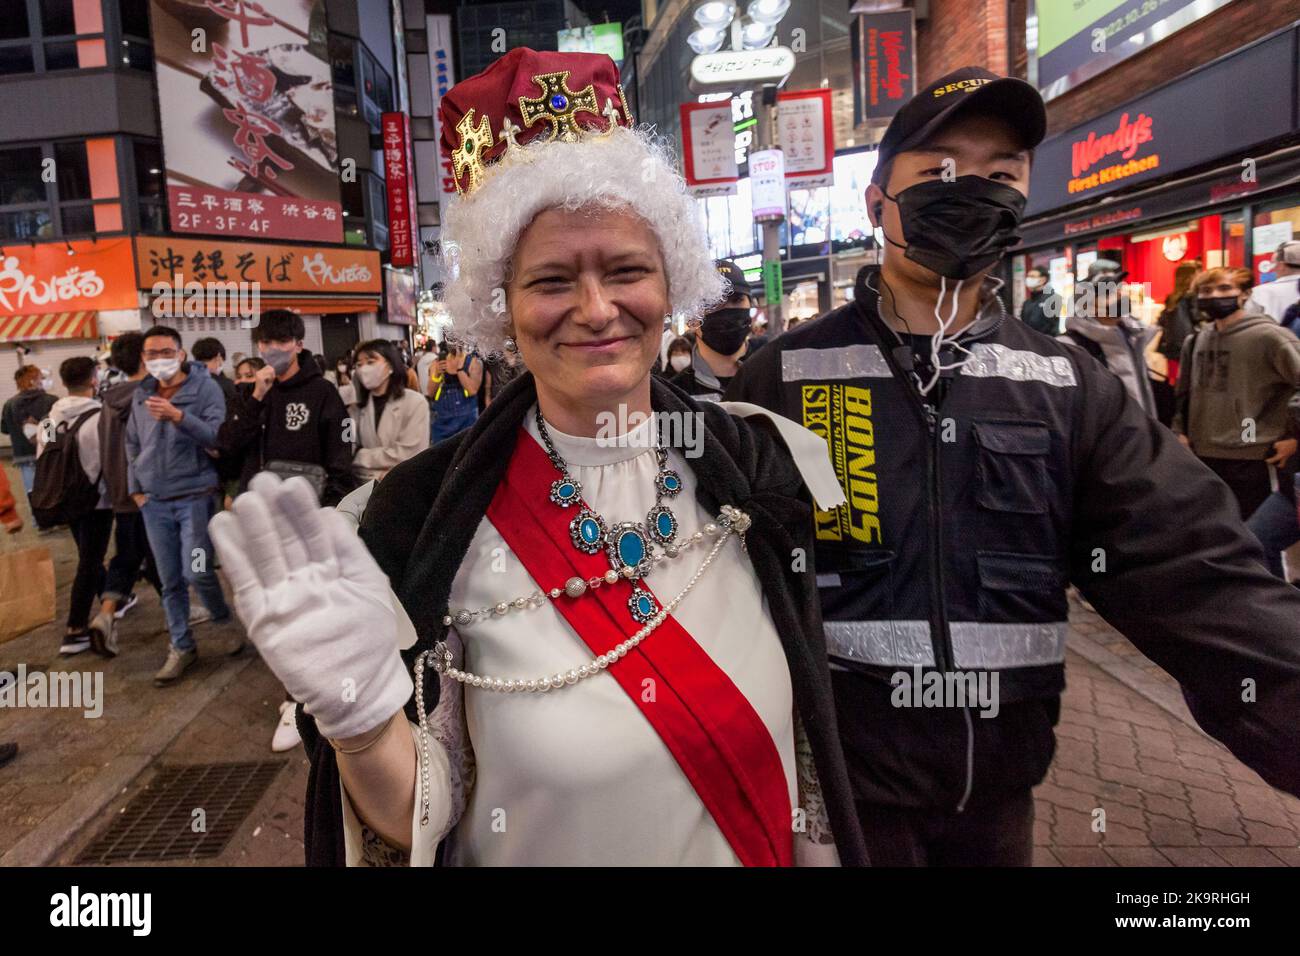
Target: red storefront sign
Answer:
[[397, 174]]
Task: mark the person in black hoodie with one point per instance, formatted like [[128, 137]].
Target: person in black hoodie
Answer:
[[20, 417], [294, 421]]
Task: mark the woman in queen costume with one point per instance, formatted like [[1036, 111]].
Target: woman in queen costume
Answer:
[[544, 645]]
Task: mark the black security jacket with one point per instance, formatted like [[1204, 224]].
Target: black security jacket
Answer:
[[966, 522], [420, 519]]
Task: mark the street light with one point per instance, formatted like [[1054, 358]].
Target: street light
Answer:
[[707, 40], [717, 14], [755, 36], [767, 11]]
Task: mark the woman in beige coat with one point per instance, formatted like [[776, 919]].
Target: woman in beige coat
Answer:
[[392, 421]]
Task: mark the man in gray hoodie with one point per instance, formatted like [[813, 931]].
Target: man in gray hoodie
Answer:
[[131, 551], [1102, 326], [175, 413], [1240, 370]]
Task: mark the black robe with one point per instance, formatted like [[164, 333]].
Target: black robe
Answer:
[[421, 518]]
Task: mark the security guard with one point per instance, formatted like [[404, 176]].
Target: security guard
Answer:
[[988, 466], [720, 339]]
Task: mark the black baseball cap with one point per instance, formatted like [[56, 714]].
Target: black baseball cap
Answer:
[[969, 88], [735, 275]]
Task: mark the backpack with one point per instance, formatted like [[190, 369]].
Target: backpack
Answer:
[[1291, 317], [61, 492]]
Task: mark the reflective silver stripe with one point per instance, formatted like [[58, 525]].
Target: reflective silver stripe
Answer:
[[998, 361], [976, 645], [819, 365], [886, 643], [979, 646]]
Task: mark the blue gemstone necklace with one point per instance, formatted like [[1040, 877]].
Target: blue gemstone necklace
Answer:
[[629, 545]]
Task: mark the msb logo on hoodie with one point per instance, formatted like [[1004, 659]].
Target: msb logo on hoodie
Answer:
[[295, 416]]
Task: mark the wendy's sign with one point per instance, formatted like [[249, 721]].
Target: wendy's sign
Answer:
[[1195, 121], [884, 64]]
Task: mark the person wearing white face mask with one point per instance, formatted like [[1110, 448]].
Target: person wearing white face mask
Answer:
[[679, 355], [294, 421], [392, 420], [175, 414], [20, 417]]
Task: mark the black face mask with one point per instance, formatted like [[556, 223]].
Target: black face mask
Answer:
[[957, 228], [245, 389], [724, 330], [1218, 307]]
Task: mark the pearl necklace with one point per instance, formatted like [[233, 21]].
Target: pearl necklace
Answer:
[[731, 521], [576, 587]]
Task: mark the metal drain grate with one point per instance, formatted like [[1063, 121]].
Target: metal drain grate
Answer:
[[158, 822]]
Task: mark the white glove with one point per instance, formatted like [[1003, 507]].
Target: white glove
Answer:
[[315, 603]]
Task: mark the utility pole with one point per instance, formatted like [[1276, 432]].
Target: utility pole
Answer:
[[766, 116]]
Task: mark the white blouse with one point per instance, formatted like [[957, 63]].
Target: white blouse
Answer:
[[578, 776]]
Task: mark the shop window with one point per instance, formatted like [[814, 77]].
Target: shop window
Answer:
[[37, 36], [1272, 225], [24, 201], [150, 181], [136, 47], [82, 195], [361, 86]]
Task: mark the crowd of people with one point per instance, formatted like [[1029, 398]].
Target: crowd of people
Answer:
[[1220, 366], [157, 441], [562, 648]]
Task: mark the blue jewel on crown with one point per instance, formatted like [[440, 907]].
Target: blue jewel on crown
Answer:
[[587, 531], [668, 482], [566, 492], [642, 605], [559, 101], [627, 545], [662, 524]]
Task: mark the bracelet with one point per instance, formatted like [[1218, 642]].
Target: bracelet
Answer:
[[370, 743]]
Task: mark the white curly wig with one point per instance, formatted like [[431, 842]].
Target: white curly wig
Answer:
[[625, 169]]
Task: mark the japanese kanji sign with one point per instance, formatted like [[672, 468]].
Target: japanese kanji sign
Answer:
[[277, 268], [402, 233], [248, 119]]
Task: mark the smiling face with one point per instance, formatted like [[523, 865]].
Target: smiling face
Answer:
[[587, 297], [977, 145]]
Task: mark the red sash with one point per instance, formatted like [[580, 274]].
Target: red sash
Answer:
[[708, 725]]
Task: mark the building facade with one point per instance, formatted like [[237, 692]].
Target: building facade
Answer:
[[108, 187]]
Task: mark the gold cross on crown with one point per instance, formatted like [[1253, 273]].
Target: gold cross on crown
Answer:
[[558, 104], [474, 145]]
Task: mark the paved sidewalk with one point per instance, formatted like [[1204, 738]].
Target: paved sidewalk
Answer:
[[1171, 796]]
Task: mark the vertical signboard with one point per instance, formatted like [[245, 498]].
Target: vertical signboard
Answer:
[[396, 132], [884, 64], [247, 106], [767, 182], [807, 138], [443, 76], [709, 148]]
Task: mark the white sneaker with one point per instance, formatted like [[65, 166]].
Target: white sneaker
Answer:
[[199, 614], [131, 602], [74, 644], [286, 731]]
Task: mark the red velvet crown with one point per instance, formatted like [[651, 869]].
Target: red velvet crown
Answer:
[[522, 96]]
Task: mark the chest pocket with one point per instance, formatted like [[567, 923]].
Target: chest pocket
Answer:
[[1012, 466]]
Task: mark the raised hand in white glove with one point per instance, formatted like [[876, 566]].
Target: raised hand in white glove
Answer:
[[315, 603]]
